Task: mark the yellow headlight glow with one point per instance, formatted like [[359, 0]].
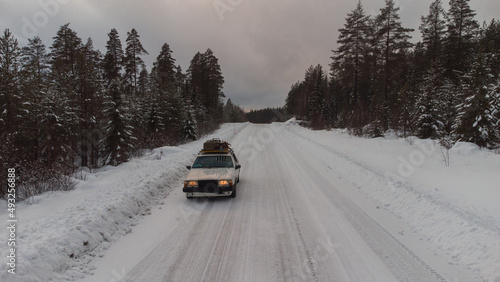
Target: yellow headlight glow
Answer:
[[225, 182], [190, 183]]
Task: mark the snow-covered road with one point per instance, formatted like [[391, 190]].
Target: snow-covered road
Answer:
[[294, 219], [311, 206]]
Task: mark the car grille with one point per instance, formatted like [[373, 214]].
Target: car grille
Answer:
[[207, 186]]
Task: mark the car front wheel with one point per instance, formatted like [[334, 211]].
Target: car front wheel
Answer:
[[233, 195]]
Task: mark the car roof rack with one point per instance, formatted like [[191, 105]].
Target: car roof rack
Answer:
[[216, 146]]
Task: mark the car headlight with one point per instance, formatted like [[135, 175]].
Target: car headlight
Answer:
[[190, 183], [225, 182]]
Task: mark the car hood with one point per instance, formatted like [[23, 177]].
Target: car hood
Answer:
[[209, 174]]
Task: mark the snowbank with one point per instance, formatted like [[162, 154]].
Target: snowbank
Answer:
[[59, 235]]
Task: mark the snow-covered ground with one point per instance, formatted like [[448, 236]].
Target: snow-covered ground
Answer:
[[311, 205], [456, 208]]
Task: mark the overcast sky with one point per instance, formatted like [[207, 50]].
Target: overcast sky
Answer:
[[263, 46]]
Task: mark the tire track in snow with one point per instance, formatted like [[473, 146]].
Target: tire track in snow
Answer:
[[171, 249], [402, 260], [286, 210], [374, 174], [422, 202]]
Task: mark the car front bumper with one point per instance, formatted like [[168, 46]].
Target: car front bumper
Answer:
[[200, 192]]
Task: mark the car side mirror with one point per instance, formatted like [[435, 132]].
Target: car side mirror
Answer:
[[237, 167], [188, 167]]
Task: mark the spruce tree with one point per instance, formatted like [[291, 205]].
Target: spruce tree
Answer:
[[213, 94], [429, 120], [153, 122], [11, 103], [233, 113], [448, 101], [174, 116], [64, 56], [166, 69], [494, 111], [489, 43], [114, 58], [118, 142], [190, 127], [205, 83], [57, 135], [143, 82], [10, 96], [476, 121], [34, 87], [317, 83], [90, 99]]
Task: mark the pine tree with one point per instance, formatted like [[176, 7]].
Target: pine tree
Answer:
[[462, 28], [351, 55], [64, 53], [433, 30], [35, 61], [133, 61], [393, 39]]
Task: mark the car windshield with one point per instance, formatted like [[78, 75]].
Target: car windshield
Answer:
[[213, 161]]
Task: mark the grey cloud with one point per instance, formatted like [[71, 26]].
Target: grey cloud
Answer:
[[263, 46]]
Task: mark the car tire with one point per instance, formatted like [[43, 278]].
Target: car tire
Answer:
[[233, 195]]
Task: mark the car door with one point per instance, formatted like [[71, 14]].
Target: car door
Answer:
[[236, 167]]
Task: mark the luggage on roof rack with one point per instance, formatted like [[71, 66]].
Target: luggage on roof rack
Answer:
[[215, 146]]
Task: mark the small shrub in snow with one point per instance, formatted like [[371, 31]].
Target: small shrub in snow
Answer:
[[373, 130], [35, 180], [446, 144]]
